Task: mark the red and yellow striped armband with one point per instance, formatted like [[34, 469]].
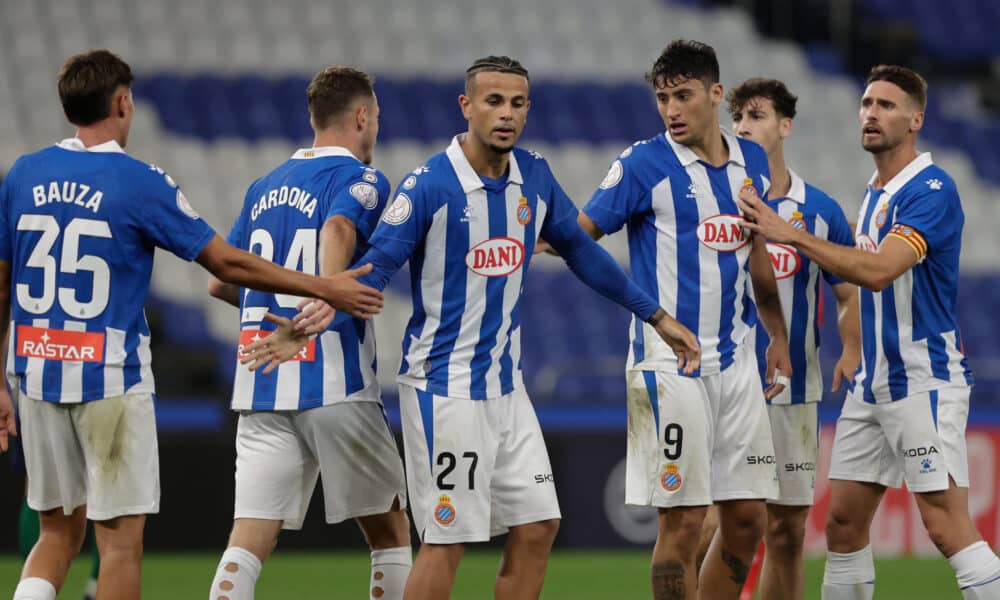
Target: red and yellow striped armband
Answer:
[[912, 237]]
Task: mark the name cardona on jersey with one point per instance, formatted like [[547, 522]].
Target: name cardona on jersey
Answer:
[[292, 197]]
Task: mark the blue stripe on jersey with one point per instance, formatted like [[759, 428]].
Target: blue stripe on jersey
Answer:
[[425, 403], [643, 252], [132, 373], [890, 344], [868, 315], [938, 356], [52, 369], [654, 399], [455, 277], [688, 267], [416, 324], [350, 344], [265, 391], [506, 360], [728, 266], [493, 314], [798, 327], [934, 404]]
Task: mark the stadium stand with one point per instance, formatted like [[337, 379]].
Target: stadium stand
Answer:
[[220, 88]]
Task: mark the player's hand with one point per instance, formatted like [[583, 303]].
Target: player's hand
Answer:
[[684, 343], [280, 346], [346, 294], [541, 246], [8, 426], [845, 368], [761, 218], [778, 370], [314, 316]]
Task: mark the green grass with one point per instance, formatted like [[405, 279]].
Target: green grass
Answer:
[[572, 575]]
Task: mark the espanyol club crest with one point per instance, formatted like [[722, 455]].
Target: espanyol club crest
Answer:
[[671, 479], [797, 221], [882, 215], [523, 211], [444, 512]]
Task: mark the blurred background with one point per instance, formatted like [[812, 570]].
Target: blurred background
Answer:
[[220, 96]]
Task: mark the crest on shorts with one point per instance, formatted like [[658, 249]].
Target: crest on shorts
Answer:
[[444, 512], [523, 211], [671, 478]]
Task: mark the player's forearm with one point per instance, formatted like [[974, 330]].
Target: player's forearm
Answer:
[[849, 319], [226, 292], [765, 289], [243, 269], [594, 266], [337, 242], [850, 264]]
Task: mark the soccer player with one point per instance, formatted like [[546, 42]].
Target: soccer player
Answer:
[[467, 220], [762, 111], [312, 415], [905, 416], [702, 437], [79, 222]]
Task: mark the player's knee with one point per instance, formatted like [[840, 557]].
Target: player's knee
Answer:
[[843, 531], [785, 535], [66, 531], [541, 534], [681, 529], [744, 526]]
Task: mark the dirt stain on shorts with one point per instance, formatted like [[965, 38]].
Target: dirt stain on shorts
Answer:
[[106, 426]]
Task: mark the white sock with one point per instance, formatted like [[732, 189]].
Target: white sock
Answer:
[[90, 590], [977, 569], [35, 588], [390, 568], [235, 576], [849, 576]]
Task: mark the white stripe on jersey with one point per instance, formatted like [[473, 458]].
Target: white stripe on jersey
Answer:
[[288, 381], [432, 293], [146, 370], [333, 354], [666, 270], [36, 366], [460, 361], [114, 361], [72, 370]]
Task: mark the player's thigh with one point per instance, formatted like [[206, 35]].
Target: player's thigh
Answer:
[[669, 440], [523, 485], [53, 459], [450, 448], [795, 431], [861, 450], [359, 462], [927, 433], [118, 438], [275, 470], [743, 462]]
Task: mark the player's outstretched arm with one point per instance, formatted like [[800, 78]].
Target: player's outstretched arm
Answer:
[[849, 325], [8, 426], [227, 292], [872, 270], [244, 269], [585, 223], [338, 239], [765, 288]]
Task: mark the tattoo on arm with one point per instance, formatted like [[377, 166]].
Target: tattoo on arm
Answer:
[[668, 580], [739, 568]]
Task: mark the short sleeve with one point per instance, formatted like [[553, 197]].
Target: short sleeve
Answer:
[[362, 198], [170, 222], [838, 231], [929, 218], [406, 220], [617, 197]]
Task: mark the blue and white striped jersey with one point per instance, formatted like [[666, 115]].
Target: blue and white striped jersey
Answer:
[[469, 240], [808, 208], [79, 227], [687, 247], [910, 341], [280, 221]]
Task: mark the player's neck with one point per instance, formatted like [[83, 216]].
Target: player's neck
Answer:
[[889, 163], [781, 179], [713, 148], [98, 133], [327, 138], [484, 161]]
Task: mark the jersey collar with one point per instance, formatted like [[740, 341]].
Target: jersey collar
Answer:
[[321, 151], [797, 191], [467, 176], [918, 164], [688, 157], [76, 145]]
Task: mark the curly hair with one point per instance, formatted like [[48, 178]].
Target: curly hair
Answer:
[[758, 87], [682, 60]]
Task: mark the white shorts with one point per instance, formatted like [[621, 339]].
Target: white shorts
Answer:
[[475, 468], [101, 453], [919, 439], [795, 431], [696, 440], [280, 454]]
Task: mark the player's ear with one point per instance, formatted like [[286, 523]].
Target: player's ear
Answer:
[[917, 121], [361, 116], [466, 103], [716, 92], [785, 127]]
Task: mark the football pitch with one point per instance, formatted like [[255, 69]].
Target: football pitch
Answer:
[[576, 575]]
